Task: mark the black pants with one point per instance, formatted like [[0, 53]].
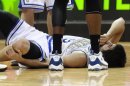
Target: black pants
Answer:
[[7, 22]]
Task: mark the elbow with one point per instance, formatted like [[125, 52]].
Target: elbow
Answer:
[[122, 24]]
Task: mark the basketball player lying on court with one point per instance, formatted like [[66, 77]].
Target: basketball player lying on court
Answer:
[[32, 47]]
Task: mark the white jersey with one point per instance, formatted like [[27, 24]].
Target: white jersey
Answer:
[[44, 41], [24, 30], [38, 5], [71, 43]]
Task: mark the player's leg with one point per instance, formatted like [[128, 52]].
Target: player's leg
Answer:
[[75, 59], [49, 5], [22, 51], [27, 13], [93, 18], [28, 7], [28, 16], [49, 22], [7, 22], [7, 52], [28, 49], [58, 21]]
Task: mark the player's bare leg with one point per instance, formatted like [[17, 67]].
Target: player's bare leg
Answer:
[[58, 21], [49, 22], [28, 16], [94, 18]]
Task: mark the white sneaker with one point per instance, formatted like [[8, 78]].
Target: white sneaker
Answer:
[[96, 62], [3, 67], [56, 62]]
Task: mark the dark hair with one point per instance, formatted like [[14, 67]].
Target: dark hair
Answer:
[[115, 57]]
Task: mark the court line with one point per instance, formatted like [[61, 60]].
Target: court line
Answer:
[[81, 22]]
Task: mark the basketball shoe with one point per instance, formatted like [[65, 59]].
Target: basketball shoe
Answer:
[[3, 67], [96, 62], [56, 62]]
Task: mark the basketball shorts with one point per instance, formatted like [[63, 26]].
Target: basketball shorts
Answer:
[[39, 5]]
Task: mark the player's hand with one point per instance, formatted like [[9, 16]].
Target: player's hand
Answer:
[[13, 54], [104, 38]]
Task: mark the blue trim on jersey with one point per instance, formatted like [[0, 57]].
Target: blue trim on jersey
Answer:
[[49, 38], [49, 6], [20, 5], [10, 32], [32, 8], [31, 4], [18, 24], [37, 8]]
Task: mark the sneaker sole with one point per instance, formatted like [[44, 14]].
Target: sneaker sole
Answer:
[[56, 68], [3, 68], [97, 67]]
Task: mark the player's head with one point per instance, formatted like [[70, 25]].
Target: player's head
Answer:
[[115, 57]]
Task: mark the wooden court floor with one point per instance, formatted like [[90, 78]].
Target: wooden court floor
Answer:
[[15, 76]]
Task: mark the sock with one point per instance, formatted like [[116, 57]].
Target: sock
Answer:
[[95, 43], [57, 43]]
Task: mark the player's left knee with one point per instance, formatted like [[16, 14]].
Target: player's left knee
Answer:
[[23, 45]]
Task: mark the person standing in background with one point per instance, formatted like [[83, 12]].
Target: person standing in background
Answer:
[[93, 19], [30, 7]]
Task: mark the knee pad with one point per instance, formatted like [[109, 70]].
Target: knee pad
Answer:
[[93, 6]]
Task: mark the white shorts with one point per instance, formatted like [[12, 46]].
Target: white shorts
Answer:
[[39, 5], [77, 44], [24, 30]]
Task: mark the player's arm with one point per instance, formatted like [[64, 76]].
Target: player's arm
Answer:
[[8, 53], [114, 33], [32, 62]]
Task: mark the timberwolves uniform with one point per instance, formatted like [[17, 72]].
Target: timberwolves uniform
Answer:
[[44, 41], [38, 5]]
